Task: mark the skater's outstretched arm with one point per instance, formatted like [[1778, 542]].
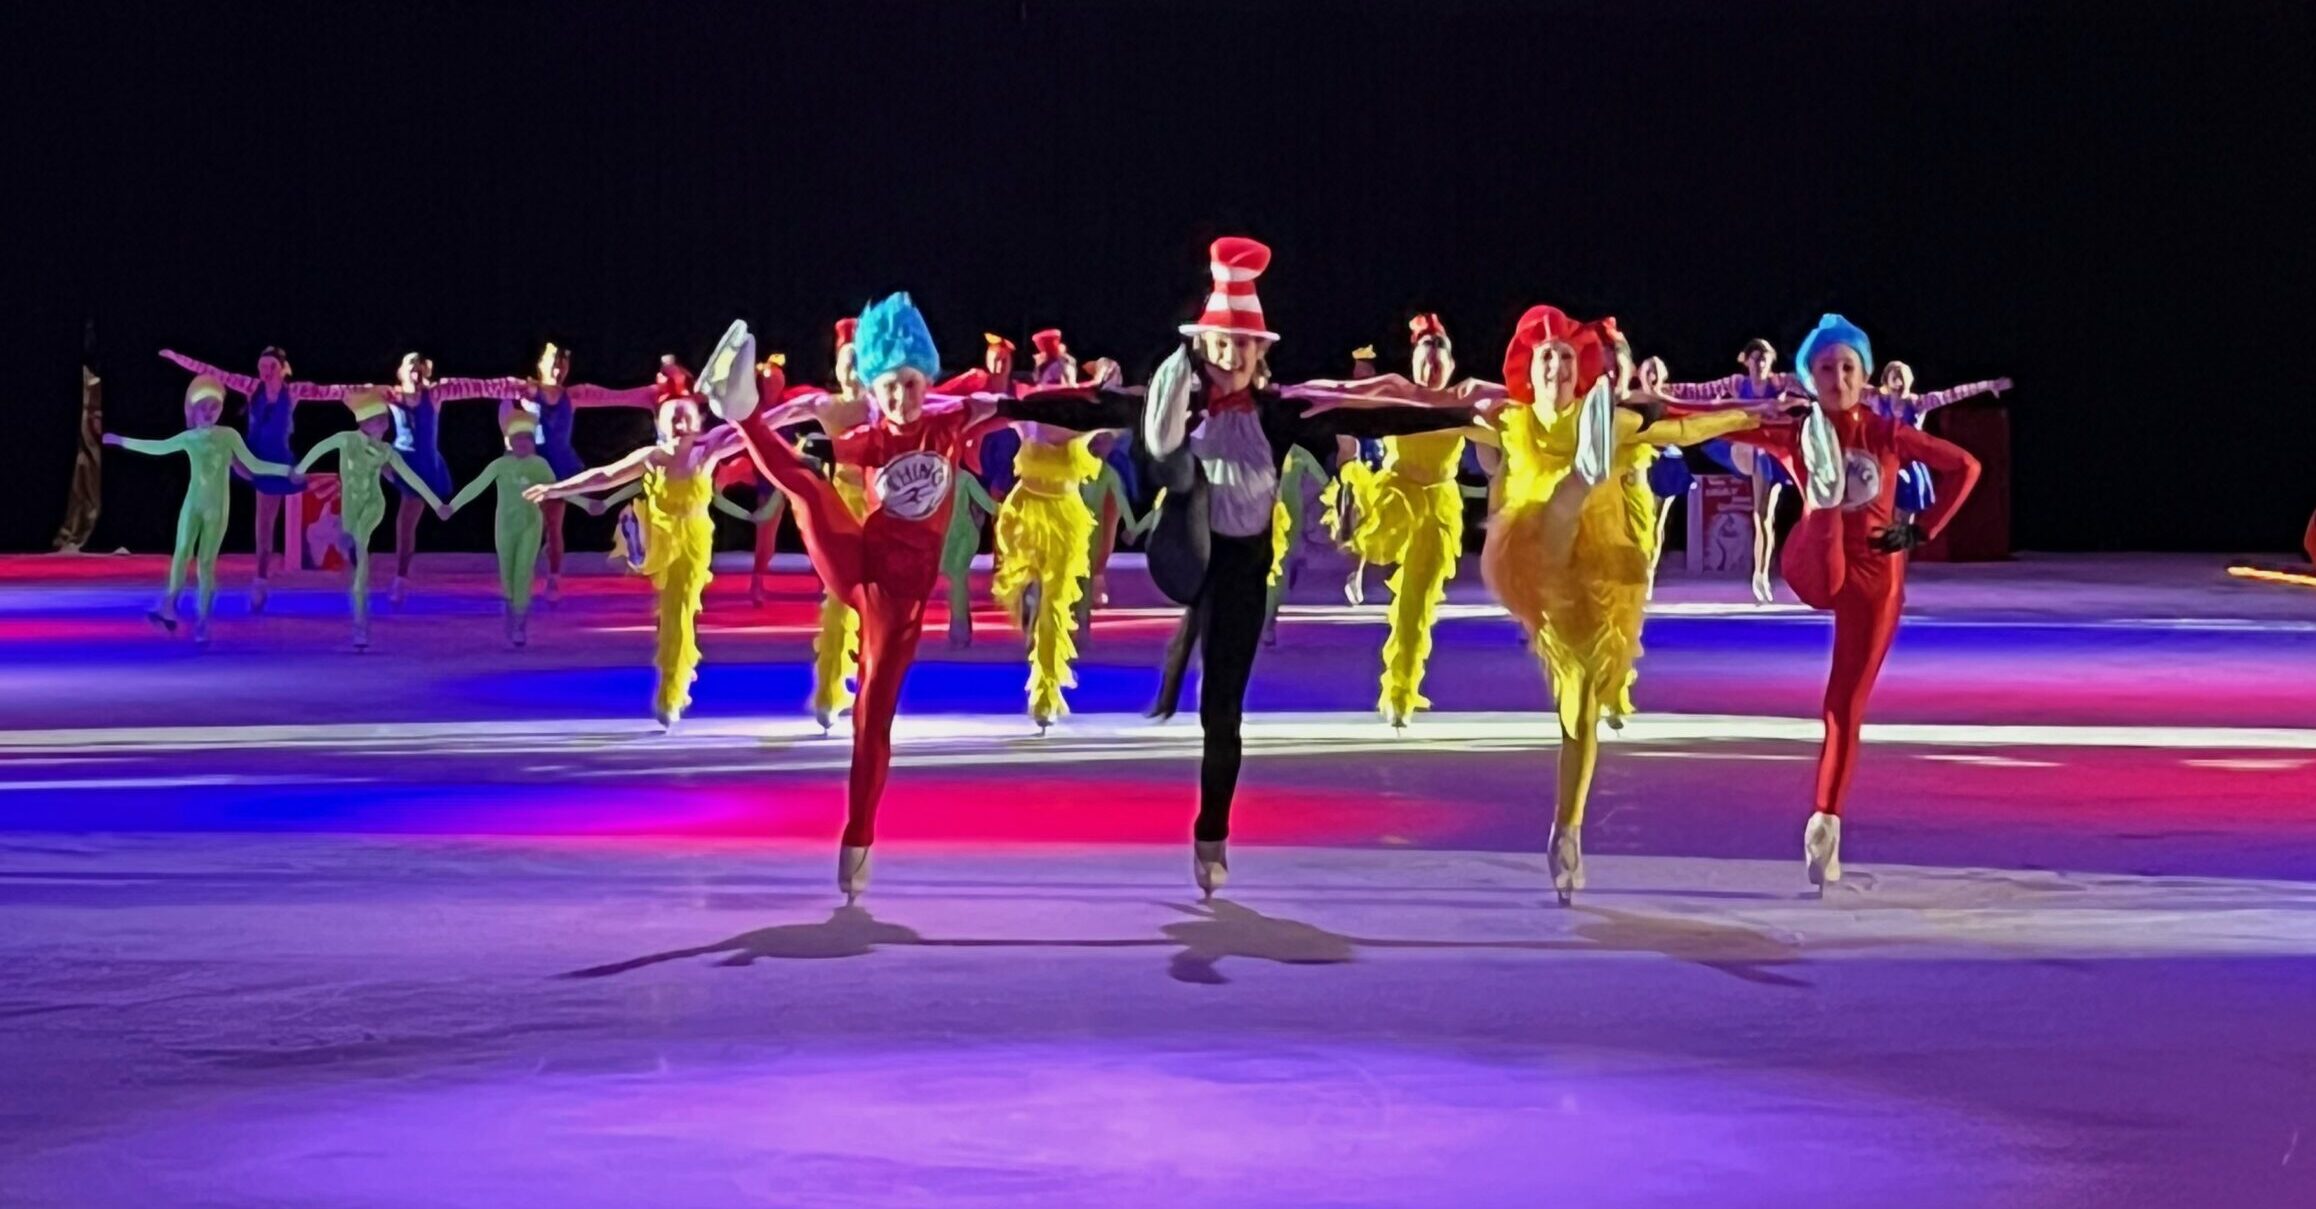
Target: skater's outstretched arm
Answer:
[[585, 395], [453, 390], [1925, 404], [299, 392], [1698, 428], [721, 503], [1108, 486], [1076, 408], [333, 443], [238, 383], [149, 446], [248, 461], [417, 484], [491, 475], [971, 494], [1726, 388], [625, 470]]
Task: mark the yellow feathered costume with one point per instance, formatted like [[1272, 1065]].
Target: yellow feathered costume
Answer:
[[1570, 560], [1411, 514], [1045, 536]]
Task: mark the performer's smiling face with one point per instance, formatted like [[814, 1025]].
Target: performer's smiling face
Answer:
[[1757, 362], [1898, 378], [1552, 372], [270, 370], [1839, 376], [203, 413], [1232, 359], [555, 366], [522, 445], [899, 396], [1435, 362]]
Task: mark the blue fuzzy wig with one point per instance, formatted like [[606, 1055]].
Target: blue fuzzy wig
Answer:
[[1832, 330], [893, 336]]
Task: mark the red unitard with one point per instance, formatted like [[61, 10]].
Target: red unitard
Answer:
[[883, 565], [1831, 562]]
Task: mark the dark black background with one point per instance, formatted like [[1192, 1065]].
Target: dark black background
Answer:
[[2097, 200]]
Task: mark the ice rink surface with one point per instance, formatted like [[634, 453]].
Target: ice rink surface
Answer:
[[448, 924]]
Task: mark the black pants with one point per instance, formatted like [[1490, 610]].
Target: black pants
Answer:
[[1227, 624]]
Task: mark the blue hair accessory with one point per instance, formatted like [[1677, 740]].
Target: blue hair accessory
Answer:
[[1832, 330], [893, 337]]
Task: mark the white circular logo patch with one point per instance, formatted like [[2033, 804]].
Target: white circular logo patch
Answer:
[[913, 485], [1861, 479]]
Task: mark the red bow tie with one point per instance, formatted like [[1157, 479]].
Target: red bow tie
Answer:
[[1241, 401]]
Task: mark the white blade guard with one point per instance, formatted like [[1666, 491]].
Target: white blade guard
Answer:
[[1821, 460], [1596, 435], [729, 379]]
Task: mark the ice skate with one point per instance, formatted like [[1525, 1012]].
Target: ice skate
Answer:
[[522, 631], [1565, 857], [399, 592], [1210, 864], [362, 635], [1821, 850], [554, 592], [852, 872], [201, 631], [165, 622], [257, 595]]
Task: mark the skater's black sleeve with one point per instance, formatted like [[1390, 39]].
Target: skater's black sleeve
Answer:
[[1080, 410]]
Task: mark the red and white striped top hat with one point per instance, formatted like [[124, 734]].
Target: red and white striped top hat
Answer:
[[1233, 307]]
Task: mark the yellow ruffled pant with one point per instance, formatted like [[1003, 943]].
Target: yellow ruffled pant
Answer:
[[1419, 527], [1044, 538], [1569, 568]]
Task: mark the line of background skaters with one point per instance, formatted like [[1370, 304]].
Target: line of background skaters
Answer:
[[1580, 442]]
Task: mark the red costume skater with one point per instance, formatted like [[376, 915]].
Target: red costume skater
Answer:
[[1849, 552], [885, 563]]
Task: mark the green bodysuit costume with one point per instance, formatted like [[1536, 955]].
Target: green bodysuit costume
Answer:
[[1107, 489], [362, 501], [211, 452], [1287, 528], [519, 526], [959, 545]]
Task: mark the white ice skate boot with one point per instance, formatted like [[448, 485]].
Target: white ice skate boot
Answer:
[[852, 872], [1210, 864], [1821, 850], [1565, 857]]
